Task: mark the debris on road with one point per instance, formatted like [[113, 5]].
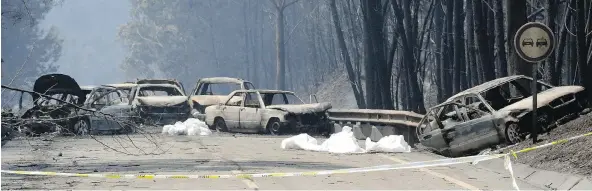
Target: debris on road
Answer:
[[189, 127], [345, 142]]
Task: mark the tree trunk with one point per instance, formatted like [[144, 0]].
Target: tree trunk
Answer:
[[482, 43], [438, 25], [280, 77], [470, 43], [446, 70], [550, 67], [584, 68], [374, 54], [499, 39], [345, 54], [516, 17], [459, 49], [403, 15], [561, 50]]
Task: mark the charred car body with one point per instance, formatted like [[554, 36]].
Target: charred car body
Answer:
[[111, 100], [268, 111], [497, 112], [211, 91], [162, 81], [49, 115], [159, 104], [130, 103]]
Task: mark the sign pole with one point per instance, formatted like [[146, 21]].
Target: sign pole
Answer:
[[534, 129]]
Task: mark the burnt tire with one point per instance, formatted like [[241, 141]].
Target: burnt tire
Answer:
[[82, 127], [274, 127], [220, 125], [512, 133]]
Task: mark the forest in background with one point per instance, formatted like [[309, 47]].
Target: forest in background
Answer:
[[397, 54]]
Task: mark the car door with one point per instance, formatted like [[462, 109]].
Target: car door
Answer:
[[230, 111], [250, 113], [475, 132]]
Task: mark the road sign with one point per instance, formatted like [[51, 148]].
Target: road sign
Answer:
[[534, 42]]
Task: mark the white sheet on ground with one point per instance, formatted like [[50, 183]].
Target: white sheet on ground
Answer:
[[345, 142], [189, 127], [388, 144]]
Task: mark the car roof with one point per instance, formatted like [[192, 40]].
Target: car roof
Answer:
[[265, 91], [222, 80], [87, 87], [486, 86], [122, 85]]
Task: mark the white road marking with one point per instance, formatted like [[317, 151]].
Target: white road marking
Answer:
[[249, 182], [436, 174]]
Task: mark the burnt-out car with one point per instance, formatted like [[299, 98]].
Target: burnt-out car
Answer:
[[128, 104], [497, 112], [50, 115], [161, 81], [211, 91], [159, 104], [107, 111], [268, 111]]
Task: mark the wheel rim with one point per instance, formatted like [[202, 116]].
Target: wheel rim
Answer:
[[512, 133], [275, 128], [82, 128]]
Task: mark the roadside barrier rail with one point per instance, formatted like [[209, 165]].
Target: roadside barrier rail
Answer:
[[375, 117]]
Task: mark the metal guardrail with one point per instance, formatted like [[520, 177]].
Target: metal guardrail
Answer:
[[375, 124], [375, 117]]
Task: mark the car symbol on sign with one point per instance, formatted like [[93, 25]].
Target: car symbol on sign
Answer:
[[527, 41], [541, 42]]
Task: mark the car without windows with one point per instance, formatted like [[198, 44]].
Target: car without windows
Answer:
[[159, 104], [112, 100], [161, 81], [211, 91], [497, 112], [46, 115], [268, 111], [129, 103]]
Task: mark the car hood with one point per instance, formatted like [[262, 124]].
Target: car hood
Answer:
[[302, 108], [57, 83], [543, 98], [162, 100], [206, 100]]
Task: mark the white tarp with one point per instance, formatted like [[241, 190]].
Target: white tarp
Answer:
[[345, 142], [189, 127]]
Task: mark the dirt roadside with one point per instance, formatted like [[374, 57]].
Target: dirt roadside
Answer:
[[572, 157]]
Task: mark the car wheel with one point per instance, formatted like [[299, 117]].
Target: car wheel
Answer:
[[82, 127], [274, 127], [512, 133], [220, 125]]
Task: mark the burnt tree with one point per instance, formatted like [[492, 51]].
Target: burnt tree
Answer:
[[515, 18], [280, 76]]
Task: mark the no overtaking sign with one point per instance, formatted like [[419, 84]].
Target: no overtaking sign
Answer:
[[534, 42]]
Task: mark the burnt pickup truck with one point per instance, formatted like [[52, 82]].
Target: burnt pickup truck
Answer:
[[268, 111], [211, 91], [496, 113]]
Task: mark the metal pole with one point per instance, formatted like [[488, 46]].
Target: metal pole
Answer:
[[534, 129]]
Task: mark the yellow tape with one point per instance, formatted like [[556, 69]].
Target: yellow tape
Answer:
[[421, 164], [514, 154]]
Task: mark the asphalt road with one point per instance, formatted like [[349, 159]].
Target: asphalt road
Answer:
[[225, 154]]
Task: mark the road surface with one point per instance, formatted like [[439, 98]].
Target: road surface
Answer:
[[226, 154]]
